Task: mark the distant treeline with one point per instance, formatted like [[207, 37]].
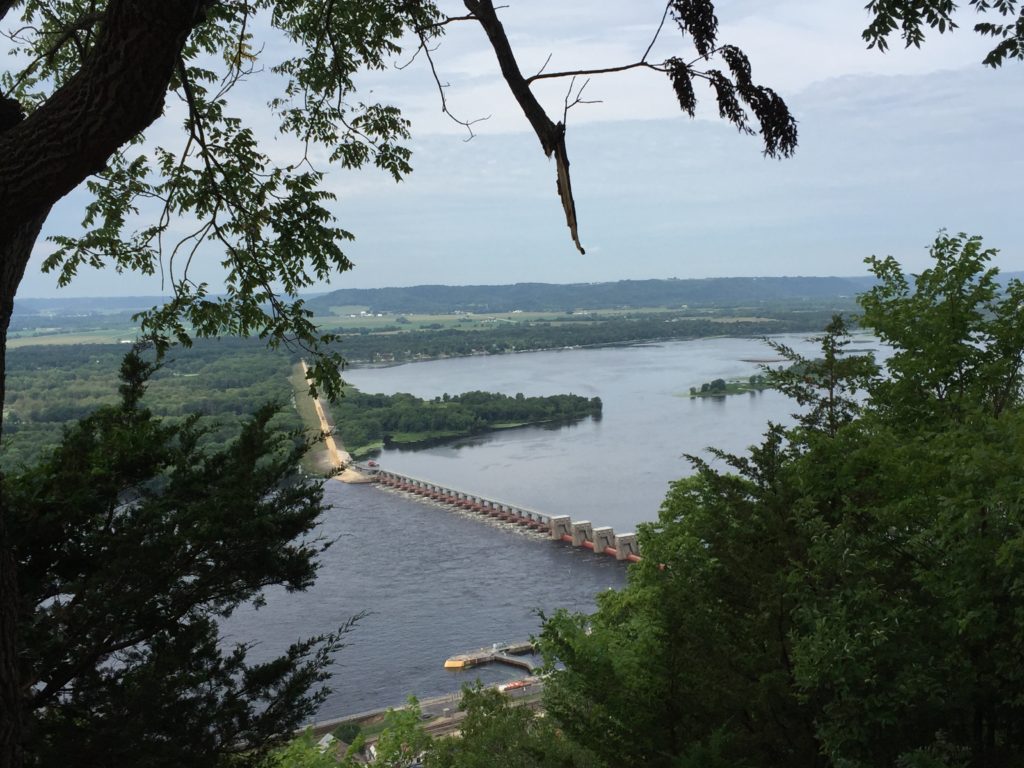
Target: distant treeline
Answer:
[[547, 297], [226, 380], [429, 344], [366, 422]]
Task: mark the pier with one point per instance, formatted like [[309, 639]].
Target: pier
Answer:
[[579, 533], [509, 653]]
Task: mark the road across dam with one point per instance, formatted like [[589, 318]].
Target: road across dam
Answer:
[[580, 533]]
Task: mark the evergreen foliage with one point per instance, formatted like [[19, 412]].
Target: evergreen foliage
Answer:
[[131, 542]]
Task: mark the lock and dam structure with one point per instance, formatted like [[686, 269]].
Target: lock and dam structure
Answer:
[[561, 528]]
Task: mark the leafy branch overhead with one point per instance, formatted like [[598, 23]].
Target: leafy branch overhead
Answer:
[[91, 77], [910, 20], [734, 90], [218, 188]]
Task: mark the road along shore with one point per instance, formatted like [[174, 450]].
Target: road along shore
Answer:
[[339, 457]]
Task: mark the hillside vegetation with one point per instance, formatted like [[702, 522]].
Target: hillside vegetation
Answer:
[[549, 297]]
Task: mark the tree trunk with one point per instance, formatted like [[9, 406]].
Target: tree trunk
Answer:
[[116, 94], [14, 256], [10, 698]]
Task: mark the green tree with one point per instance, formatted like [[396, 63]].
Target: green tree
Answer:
[[497, 732], [403, 739], [826, 386], [92, 76], [132, 542], [302, 752], [850, 593], [911, 612], [695, 653], [1001, 20]]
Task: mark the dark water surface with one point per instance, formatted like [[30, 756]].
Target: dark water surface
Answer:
[[438, 583]]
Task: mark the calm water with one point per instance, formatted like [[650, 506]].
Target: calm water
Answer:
[[437, 583], [613, 471]]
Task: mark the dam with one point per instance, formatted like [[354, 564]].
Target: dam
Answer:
[[561, 528]]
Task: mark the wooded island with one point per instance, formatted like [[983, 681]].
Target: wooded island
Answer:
[[366, 423]]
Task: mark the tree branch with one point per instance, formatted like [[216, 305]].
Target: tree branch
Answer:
[[467, 124], [550, 134], [117, 93], [657, 32], [598, 71]]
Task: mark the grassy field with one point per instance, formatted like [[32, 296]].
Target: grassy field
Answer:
[[41, 338]]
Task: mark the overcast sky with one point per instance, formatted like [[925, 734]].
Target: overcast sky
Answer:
[[892, 148]]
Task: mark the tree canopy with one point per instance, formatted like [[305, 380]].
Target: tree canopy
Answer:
[[132, 542], [90, 77], [850, 593]]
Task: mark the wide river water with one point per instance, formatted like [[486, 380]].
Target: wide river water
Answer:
[[437, 583]]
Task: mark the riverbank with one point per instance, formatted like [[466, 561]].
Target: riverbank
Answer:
[[329, 456], [392, 346]]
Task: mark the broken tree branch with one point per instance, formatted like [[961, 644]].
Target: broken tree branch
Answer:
[[550, 134]]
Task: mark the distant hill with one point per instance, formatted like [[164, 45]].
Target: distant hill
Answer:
[[529, 297], [66, 305], [548, 297]]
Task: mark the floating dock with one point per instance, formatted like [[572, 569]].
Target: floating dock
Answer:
[[509, 653]]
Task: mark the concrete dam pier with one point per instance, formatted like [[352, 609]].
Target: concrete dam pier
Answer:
[[580, 533]]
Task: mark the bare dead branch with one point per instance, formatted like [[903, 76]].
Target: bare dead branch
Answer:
[[445, 22], [467, 124], [542, 67], [571, 101], [415, 55], [550, 134], [642, 63], [657, 32]]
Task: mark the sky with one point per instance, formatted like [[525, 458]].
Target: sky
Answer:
[[892, 148]]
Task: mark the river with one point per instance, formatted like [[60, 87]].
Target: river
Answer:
[[614, 470], [438, 583]]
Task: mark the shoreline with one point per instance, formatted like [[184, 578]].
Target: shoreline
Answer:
[[341, 460], [563, 348], [637, 342]]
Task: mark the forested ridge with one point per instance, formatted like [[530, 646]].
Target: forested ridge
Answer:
[[552, 297]]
